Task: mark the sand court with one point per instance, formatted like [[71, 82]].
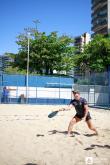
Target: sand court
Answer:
[[29, 137]]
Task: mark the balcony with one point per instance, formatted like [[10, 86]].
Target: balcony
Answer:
[[101, 31], [99, 5], [102, 10], [96, 2], [100, 23], [96, 5], [99, 16], [98, 27]]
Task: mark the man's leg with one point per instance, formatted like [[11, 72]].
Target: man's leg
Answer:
[[91, 126], [71, 124], [4, 99]]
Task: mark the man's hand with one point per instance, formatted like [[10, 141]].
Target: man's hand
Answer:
[[62, 109], [66, 108]]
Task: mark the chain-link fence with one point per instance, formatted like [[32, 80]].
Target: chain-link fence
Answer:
[[95, 88]]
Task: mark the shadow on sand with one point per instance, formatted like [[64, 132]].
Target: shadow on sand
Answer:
[[52, 132], [96, 145], [39, 135], [31, 164], [90, 135]]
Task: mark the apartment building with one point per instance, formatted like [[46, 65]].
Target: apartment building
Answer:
[[100, 17], [4, 62], [80, 41]]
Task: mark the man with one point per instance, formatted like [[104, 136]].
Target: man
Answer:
[[82, 112], [5, 95]]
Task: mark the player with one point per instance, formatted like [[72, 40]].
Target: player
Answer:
[[82, 113]]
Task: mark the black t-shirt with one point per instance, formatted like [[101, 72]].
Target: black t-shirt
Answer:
[[79, 105]]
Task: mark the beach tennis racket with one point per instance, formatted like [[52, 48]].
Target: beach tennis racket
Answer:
[[52, 114]]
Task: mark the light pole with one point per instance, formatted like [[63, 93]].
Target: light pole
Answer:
[[27, 77], [36, 22], [29, 32]]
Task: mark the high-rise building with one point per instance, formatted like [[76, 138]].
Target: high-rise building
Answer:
[[4, 62], [80, 41], [100, 17]]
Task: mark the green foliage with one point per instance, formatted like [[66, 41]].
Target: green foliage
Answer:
[[96, 55], [47, 53]]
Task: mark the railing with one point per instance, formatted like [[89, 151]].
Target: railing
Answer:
[[98, 4]]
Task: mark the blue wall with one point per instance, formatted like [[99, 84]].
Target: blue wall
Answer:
[[37, 81]]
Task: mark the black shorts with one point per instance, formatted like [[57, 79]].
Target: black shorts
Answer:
[[80, 116]]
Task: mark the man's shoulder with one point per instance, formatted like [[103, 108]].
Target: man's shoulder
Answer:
[[72, 101], [83, 100]]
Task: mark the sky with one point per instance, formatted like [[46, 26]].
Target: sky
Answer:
[[70, 17]]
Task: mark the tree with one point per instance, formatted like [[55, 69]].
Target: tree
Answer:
[[47, 52], [96, 55]]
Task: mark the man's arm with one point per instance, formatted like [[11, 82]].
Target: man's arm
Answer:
[[69, 107]]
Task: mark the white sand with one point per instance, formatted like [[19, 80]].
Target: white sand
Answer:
[[29, 137]]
